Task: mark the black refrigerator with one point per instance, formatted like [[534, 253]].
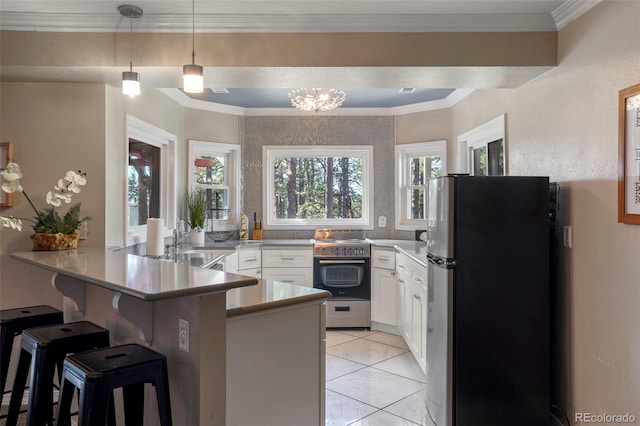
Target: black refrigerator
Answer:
[[488, 301]]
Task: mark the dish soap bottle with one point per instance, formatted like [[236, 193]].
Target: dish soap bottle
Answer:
[[244, 227]]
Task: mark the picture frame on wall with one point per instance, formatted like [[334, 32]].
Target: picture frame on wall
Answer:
[[629, 155], [6, 156]]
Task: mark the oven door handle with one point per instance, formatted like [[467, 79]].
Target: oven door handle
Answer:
[[341, 262]]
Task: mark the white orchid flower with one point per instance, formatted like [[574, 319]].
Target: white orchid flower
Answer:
[[11, 222], [11, 186], [11, 172], [52, 199], [67, 186]]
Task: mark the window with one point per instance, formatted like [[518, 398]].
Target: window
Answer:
[[144, 182], [215, 169], [415, 165], [150, 186], [318, 186], [482, 149]]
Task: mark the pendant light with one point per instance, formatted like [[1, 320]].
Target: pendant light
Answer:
[[192, 74], [130, 79]]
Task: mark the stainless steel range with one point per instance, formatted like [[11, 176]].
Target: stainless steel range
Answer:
[[342, 267]]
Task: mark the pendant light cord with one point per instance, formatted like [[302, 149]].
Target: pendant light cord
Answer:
[[131, 41], [193, 32]]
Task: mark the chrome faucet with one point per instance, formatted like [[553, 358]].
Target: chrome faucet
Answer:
[[178, 237]]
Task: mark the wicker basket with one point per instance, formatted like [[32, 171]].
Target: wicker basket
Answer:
[[57, 241]]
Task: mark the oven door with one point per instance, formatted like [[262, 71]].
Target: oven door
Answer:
[[343, 277]]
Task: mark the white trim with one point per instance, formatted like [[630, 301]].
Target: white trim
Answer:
[[148, 133], [216, 22], [488, 132], [185, 101], [233, 176], [571, 10], [271, 152], [433, 148]]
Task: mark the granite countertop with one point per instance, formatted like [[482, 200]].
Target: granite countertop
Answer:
[[140, 277]]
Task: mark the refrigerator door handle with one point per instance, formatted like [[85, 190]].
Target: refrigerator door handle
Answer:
[[439, 261]]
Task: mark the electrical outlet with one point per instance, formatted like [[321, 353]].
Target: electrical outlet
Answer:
[[183, 335]]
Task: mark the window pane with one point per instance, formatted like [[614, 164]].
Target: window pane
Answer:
[[143, 182], [496, 158], [318, 188], [417, 197], [210, 169], [480, 161]]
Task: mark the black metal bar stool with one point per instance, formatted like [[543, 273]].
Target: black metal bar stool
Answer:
[[44, 349], [97, 373], [13, 322]]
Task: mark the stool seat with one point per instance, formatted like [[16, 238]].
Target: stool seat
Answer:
[[97, 373], [13, 322], [44, 349]]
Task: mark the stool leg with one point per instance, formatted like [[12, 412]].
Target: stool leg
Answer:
[[63, 415], [164, 400], [40, 410], [133, 396], [92, 405], [19, 383], [6, 346]]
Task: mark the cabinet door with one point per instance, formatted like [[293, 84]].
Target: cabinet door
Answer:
[[299, 276], [419, 326], [406, 306], [383, 296], [251, 272], [231, 263]]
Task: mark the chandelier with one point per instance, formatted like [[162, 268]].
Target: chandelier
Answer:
[[316, 99]]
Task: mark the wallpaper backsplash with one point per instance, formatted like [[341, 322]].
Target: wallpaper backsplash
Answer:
[[321, 130]]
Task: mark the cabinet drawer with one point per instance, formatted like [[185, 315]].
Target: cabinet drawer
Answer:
[[381, 258], [298, 276], [287, 258], [248, 258]]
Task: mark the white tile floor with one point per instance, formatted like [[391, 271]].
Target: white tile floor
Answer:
[[372, 380]]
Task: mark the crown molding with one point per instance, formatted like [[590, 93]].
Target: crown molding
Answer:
[[185, 101], [571, 10], [257, 23]]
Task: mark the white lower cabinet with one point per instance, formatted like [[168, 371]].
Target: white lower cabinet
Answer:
[[249, 262], [412, 295], [291, 265], [384, 287]]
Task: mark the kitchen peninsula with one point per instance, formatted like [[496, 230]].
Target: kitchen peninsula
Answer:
[[230, 362]]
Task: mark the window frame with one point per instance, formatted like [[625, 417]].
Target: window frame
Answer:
[[232, 176], [479, 137], [402, 178], [144, 132], [271, 152]]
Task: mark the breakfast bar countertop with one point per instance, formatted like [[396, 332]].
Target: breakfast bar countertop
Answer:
[[136, 276]]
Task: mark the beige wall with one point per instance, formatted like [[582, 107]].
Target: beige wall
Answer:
[[55, 128], [564, 125], [152, 107]]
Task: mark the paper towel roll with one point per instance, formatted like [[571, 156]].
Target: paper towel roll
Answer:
[[155, 237]]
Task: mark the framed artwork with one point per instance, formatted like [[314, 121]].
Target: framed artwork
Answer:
[[629, 155], [6, 156]]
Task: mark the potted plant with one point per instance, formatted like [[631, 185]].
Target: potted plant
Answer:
[[196, 206], [51, 231]]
